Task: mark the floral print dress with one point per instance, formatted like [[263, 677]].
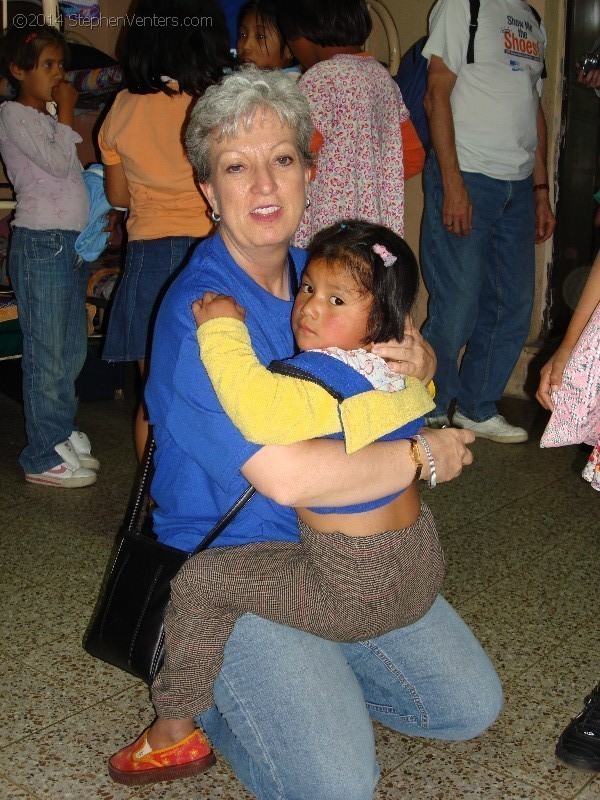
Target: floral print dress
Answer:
[[358, 110], [576, 415]]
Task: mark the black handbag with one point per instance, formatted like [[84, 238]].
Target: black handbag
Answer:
[[127, 625]]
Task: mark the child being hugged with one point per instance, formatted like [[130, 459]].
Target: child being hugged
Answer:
[[260, 42], [358, 571], [48, 277], [367, 146]]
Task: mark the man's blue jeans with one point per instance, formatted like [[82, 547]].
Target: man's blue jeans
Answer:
[[293, 712], [481, 289], [50, 281]]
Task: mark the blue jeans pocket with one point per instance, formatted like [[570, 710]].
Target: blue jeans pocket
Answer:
[[44, 248]]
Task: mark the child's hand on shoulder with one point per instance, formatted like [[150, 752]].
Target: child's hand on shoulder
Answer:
[[65, 95], [212, 305]]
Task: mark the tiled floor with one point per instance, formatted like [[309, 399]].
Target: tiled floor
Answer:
[[520, 530]]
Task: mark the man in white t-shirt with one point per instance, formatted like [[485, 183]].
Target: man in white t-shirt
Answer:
[[486, 203]]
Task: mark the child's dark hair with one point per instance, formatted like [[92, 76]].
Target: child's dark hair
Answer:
[[328, 23], [22, 47], [382, 263], [192, 54], [266, 14]]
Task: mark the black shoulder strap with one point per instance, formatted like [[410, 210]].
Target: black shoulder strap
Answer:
[[474, 6], [225, 519], [538, 19], [141, 489], [536, 15]]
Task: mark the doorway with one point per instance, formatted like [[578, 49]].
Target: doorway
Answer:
[[576, 239]]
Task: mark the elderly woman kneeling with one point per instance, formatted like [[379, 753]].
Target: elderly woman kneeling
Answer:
[[292, 711]]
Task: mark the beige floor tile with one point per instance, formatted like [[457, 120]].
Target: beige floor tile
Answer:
[[394, 748], [10, 791], [32, 701], [525, 615], [68, 760], [434, 775], [499, 477], [592, 791], [518, 529], [537, 707]]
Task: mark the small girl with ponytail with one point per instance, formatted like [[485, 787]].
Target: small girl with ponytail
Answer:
[[348, 578], [48, 277]]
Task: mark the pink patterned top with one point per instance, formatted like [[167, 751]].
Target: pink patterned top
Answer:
[[358, 110], [371, 366], [42, 164]]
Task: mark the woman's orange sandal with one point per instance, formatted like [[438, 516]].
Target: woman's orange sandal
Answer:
[[138, 764]]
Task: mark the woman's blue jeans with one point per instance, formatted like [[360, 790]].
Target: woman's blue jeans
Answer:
[[481, 289], [293, 712], [50, 282]]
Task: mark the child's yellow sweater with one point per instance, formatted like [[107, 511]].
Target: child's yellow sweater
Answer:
[[278, 409]]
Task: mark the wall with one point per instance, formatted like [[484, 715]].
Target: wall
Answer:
[[410, 17]]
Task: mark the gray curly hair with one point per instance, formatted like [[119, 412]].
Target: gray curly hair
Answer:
[[234, 101]]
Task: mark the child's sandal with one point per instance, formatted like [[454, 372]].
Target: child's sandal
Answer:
[[138, 764]]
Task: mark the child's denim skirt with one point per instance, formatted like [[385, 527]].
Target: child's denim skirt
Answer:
[[150, 266]]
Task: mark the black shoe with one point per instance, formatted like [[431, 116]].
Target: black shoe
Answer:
[[579, 743]]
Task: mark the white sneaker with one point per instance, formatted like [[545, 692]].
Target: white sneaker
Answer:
[[82, 446], [496, 428], [69, 474]]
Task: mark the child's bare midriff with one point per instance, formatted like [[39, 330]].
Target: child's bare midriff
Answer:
[[400, 513]]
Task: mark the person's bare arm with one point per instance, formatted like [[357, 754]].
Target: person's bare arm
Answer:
[[457, 212], [319, 472], [115, 185], [544, 218], [552, 372]]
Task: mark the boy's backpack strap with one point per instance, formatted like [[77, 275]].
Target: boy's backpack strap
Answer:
[[474, 6]]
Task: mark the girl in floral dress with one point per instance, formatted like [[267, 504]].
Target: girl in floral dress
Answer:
[[570, 381], [367, 145]]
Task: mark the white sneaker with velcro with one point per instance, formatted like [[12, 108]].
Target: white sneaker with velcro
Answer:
[[69, 474], [82, 446]]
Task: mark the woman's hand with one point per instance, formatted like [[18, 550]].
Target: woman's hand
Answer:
[[412, 356], [551, 375], [449, 450], [212, 305]]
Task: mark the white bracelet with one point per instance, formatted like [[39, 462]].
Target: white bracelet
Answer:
[[432, 474]]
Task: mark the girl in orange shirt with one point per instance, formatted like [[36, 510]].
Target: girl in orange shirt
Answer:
[[167, 66]]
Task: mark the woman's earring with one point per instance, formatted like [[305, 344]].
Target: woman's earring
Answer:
[[216, 218], [308, 202]]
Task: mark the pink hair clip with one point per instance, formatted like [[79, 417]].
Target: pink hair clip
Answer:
[[389, 259], [30, 37]]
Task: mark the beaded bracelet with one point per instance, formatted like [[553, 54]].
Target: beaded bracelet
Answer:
[[432, 474]]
